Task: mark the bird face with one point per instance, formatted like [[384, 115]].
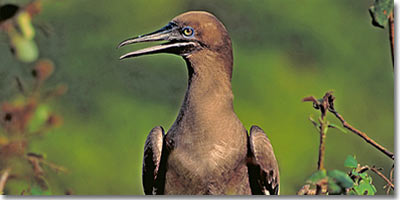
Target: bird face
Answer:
[[185, 35]]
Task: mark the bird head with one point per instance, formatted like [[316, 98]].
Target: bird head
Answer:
[[185, 35]]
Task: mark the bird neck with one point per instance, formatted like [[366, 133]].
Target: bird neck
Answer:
[[209, 86]]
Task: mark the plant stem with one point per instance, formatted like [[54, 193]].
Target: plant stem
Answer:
[[382, 176], [3, 179], [391, 34], [322, 136]]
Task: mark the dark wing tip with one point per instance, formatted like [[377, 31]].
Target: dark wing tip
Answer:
[[264, 159], [152, 158]]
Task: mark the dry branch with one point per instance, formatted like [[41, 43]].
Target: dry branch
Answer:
[[327, 103], [382, 176]]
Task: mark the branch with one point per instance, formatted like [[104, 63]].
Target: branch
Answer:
[[3, 179], [322, 137], [391, 180], [327, 103], [382, 176], [391, 34], [360, 133], [321, 105]]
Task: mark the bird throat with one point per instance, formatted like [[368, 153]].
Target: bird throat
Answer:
[[209, 93]]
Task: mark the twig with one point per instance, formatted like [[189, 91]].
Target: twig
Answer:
[[322, 136], [361, 134], [3, 179], [382, 176], [21, 87], [391, 180], [327, 103], [391, 34], [321, 105]]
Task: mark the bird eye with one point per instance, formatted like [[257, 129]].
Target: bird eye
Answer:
[[188, 31]]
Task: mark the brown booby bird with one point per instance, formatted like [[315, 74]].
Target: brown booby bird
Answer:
[[207, 150]]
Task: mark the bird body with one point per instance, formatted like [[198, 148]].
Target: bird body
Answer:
[[207, 150]]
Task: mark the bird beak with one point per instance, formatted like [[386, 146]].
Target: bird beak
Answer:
[[168, 33]]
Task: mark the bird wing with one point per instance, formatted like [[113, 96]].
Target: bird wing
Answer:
[[151, 158], [262, 166]]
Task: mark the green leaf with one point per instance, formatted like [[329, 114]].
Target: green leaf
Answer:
[[333, 188], [341, 178], [25, 50], [325, 130], [25, 25], [380, 12], [317, 176], [364, 175], [365, 188], [354, 172], [338, 127], [350, 162]]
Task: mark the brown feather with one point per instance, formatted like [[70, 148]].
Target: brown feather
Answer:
[[151, 158], [263, 167]]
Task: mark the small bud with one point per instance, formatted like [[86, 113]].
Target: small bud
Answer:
[[34, 8], [54, 121], [43, 69], [25, 25], [26, 50]]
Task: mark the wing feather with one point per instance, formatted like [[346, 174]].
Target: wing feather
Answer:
[[151, 158], [263, 167]]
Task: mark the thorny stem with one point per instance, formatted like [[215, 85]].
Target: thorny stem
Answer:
[[3, 180]]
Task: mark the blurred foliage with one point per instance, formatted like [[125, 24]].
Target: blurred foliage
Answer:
[[16, 21], [284, 50], [24, 119]]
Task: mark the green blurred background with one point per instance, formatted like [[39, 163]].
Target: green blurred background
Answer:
[[283, 51]]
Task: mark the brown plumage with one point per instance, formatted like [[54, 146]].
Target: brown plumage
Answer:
[[207, 150]]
